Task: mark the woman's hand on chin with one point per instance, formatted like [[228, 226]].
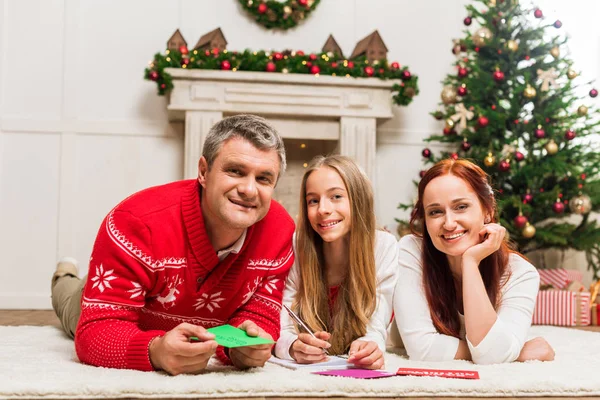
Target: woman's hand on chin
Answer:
[[491, 237]]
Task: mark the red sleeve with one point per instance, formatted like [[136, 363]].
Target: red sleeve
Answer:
[[119, 277]]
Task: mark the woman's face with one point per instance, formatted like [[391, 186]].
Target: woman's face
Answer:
[[453, 214], [327, 204]]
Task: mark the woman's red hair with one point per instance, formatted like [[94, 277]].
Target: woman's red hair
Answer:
[[437, 277]]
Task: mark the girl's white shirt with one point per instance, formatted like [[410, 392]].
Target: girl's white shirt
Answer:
[[504, 340], [386, 264]]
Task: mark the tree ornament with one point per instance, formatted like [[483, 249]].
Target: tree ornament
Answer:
[[183, 50], [262, 8], [519, 156], [277, 56], [448, 95], [406, 75], [153, 75], [551, 147], [462, 72], [557, 24], [582, 111], [303, 3], [225, 65], [528, 198], [489, 160], [580, 204], [570, 134], [465, 146], [467, 21], [529, 92], [548, 78], [540, 133], [483, 121], [438, 115], [498, 75], [482, 37], [558, 207], [426, 153], [185, 62], [593, 93], [462, 90], [449, 131], [395, 65], [369, 70], [571, 74], [449, 123], [271, 67], [512, 45], [538, 13], [529, 231], [462, 115], [422, 173], [504, 166], [315, 69], [520, 221], [555, 52], [454, 156]]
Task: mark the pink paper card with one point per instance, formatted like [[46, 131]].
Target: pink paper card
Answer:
[[356, 373], [442, 373]]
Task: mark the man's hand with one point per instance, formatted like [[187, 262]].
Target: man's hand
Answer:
[[308, 350], [175, 354], [251, 356], [366, 354], [536, 349]]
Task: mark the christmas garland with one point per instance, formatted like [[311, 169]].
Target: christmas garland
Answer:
[[273, 14], [293, 62]]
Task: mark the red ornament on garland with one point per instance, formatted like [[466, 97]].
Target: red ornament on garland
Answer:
[[558, 207], [540, 133], [504, 166], [570, 134], [278, 56], [593, 93], [153, 75], [183, 50], [207, 52], [163, 86], [369, 70], [557, 24], [350, 64], [449, 131], [465, 146], [406, 75], [498, 76], [315, 69], [462, 72], [462, 91], [483, 121], [519, 156], [299, 53], [538, 13], [467, 21], [528, 198], [422, 173], [395, 65], [303, 3], [262, 8], [185, 61], [454, 156], [313, 57], [225, 65], [334, 65], [520, 221], [271, 67], [426, 153]]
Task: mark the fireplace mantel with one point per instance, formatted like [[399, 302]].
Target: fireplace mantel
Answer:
[[300, 106]]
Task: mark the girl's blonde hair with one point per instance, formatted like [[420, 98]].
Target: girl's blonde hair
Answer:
[[356, 299]]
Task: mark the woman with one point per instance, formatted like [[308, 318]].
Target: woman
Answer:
[[461, 292], [343, 280]]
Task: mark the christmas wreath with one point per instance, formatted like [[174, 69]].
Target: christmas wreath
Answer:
[[273, 14], [293, 62]]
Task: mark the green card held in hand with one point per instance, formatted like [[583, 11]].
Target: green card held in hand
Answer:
[[229, 336]]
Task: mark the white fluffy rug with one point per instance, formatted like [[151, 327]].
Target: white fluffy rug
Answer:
[[40, 362]]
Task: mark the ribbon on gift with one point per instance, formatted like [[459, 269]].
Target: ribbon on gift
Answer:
[[462, 115], [548, 78]]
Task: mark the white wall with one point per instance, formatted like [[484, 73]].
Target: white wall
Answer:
[[80, 129]]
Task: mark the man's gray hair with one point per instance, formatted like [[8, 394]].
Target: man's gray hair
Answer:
[[252, 128]]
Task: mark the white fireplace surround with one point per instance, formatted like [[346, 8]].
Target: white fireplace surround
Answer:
[[305, 107]]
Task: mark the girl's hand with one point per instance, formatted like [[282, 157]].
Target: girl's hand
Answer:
[[366, 354], [308, 350], [491, 237], [536, 349]]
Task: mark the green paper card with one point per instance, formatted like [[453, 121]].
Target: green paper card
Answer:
[[229, 336]]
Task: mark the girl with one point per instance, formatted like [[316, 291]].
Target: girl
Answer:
[[461, 293], [342, 283]]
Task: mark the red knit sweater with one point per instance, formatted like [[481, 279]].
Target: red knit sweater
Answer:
[[153, 267]]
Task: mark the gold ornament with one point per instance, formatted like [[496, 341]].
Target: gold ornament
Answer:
[[582, 111], [449, 123], [551, 147], [529, 92], [555, 52], [512, 45], [409, 92], [250, 2], [287, 10], [571, 74], [492, 3], [490, 160], [529, 231], [580, 204], [448, 95], [482, 37]]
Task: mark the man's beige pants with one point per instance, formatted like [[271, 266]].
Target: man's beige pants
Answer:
[[66, 301]]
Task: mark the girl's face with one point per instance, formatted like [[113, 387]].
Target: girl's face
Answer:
[[453, 214], [327, 204]]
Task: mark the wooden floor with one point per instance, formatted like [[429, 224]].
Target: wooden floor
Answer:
[[47, 317]]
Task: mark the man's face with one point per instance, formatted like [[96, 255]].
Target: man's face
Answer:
[[237, 189]]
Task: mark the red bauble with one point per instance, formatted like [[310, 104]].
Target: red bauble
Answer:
[[504, 166], [483, 121], [558, 207], [426, 153], [519, 156], [422, 173], [406, 75], [153, 75], [449, 131], [185, 61], [369, 70], [538, 13], [570, 134], [163, 86], [207, 52], [540, 133], [313, 57], [303, 3], [350, 64], [528, 198], [467, 21], [308, 64], [395, 65], [583, 176], [299, 53], [461, 91], [278, 56], [498, 76], [462, 72], [315, 69], [262, 8], [225, 65], [520, 221], [593, 93], [454, 156], [557, 24], [465, 146], [271, 67], [183, 50], [334, 65], [381, 71]]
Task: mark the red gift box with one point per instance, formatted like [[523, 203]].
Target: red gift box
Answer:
[[595, 314], [559, 278], [562, 307]]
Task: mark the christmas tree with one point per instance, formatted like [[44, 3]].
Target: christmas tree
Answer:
[[513, 106]]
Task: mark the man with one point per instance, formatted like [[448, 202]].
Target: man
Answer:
[[172, 260]]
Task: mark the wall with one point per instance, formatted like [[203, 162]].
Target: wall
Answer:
[[80, 129]]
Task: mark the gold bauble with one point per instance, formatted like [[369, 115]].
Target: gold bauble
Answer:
[[555, 52], [580, 204], [571, 74], [512, 45], [482, 36], [448, 94], [450, 123], [492, 3], [287, 10], [250, 2], [489, 160], [582, 111], [551, 147], [529, 92], [529, 231]]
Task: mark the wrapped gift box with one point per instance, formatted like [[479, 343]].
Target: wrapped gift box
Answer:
[[595, 317], [559, 278], [562, 307]]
